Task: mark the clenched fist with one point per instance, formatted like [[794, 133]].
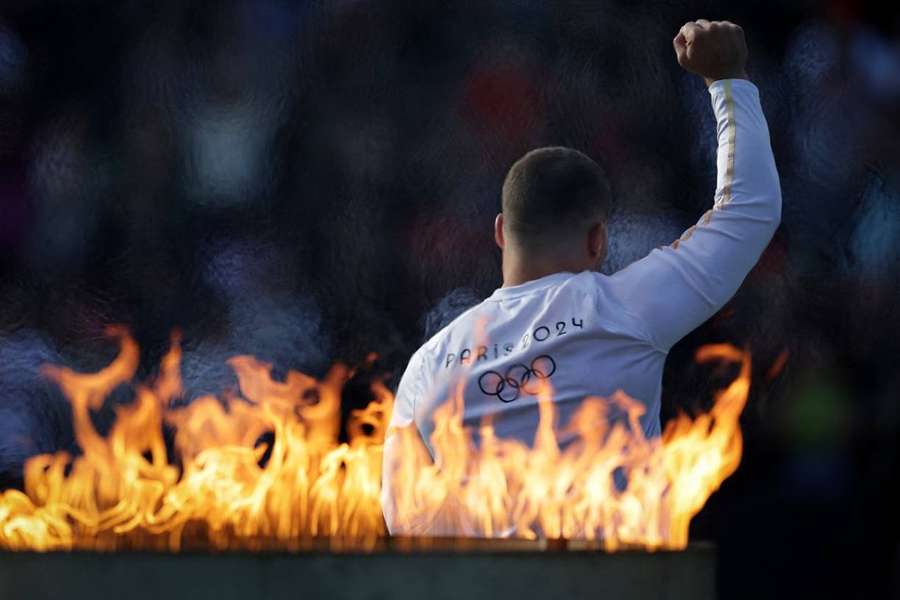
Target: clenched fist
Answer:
[[712, 49]]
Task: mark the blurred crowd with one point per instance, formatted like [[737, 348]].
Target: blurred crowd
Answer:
[[313, 181]]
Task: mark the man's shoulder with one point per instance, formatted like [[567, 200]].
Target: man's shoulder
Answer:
[[435, 345], [610, 297], [464, 320]]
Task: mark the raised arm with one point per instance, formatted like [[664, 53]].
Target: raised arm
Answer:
[[676, 288]]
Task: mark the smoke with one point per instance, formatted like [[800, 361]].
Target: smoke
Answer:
[[451, 306], [34, 417], [633, 235], [260, 312], [875, 239]]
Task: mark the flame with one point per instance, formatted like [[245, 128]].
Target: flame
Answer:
[[231, 489], [614, 485]]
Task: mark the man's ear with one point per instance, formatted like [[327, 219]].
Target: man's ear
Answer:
[[596, 242], [498, 231]]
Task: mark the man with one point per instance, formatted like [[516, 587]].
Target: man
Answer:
[[588, 334]]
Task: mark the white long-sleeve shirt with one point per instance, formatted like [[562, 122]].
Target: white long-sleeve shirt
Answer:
[[592, 334]]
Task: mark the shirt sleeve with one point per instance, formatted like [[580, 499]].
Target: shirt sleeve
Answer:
[[676, 288], [403, 415], [410, 388]]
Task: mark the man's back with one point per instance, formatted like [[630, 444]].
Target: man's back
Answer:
[[568, 329], [588, 334]]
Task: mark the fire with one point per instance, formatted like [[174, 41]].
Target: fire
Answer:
[[228, 488], [614, 485]]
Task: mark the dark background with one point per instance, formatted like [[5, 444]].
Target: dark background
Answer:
[[313, 181]]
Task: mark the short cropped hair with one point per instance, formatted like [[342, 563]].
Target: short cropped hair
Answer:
[[551, 192]]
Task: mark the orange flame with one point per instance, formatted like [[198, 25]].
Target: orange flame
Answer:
[[233, 491], [505, 488]]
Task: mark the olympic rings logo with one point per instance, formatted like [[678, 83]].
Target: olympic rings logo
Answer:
[[508, 387]]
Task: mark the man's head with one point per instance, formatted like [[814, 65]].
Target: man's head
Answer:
[[556, 202]]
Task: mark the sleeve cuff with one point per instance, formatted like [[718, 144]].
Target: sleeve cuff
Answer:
[[717, 86]]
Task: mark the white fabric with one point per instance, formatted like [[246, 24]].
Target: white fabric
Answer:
[[594, 334]]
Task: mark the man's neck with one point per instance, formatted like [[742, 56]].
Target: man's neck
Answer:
[[518, 271]]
